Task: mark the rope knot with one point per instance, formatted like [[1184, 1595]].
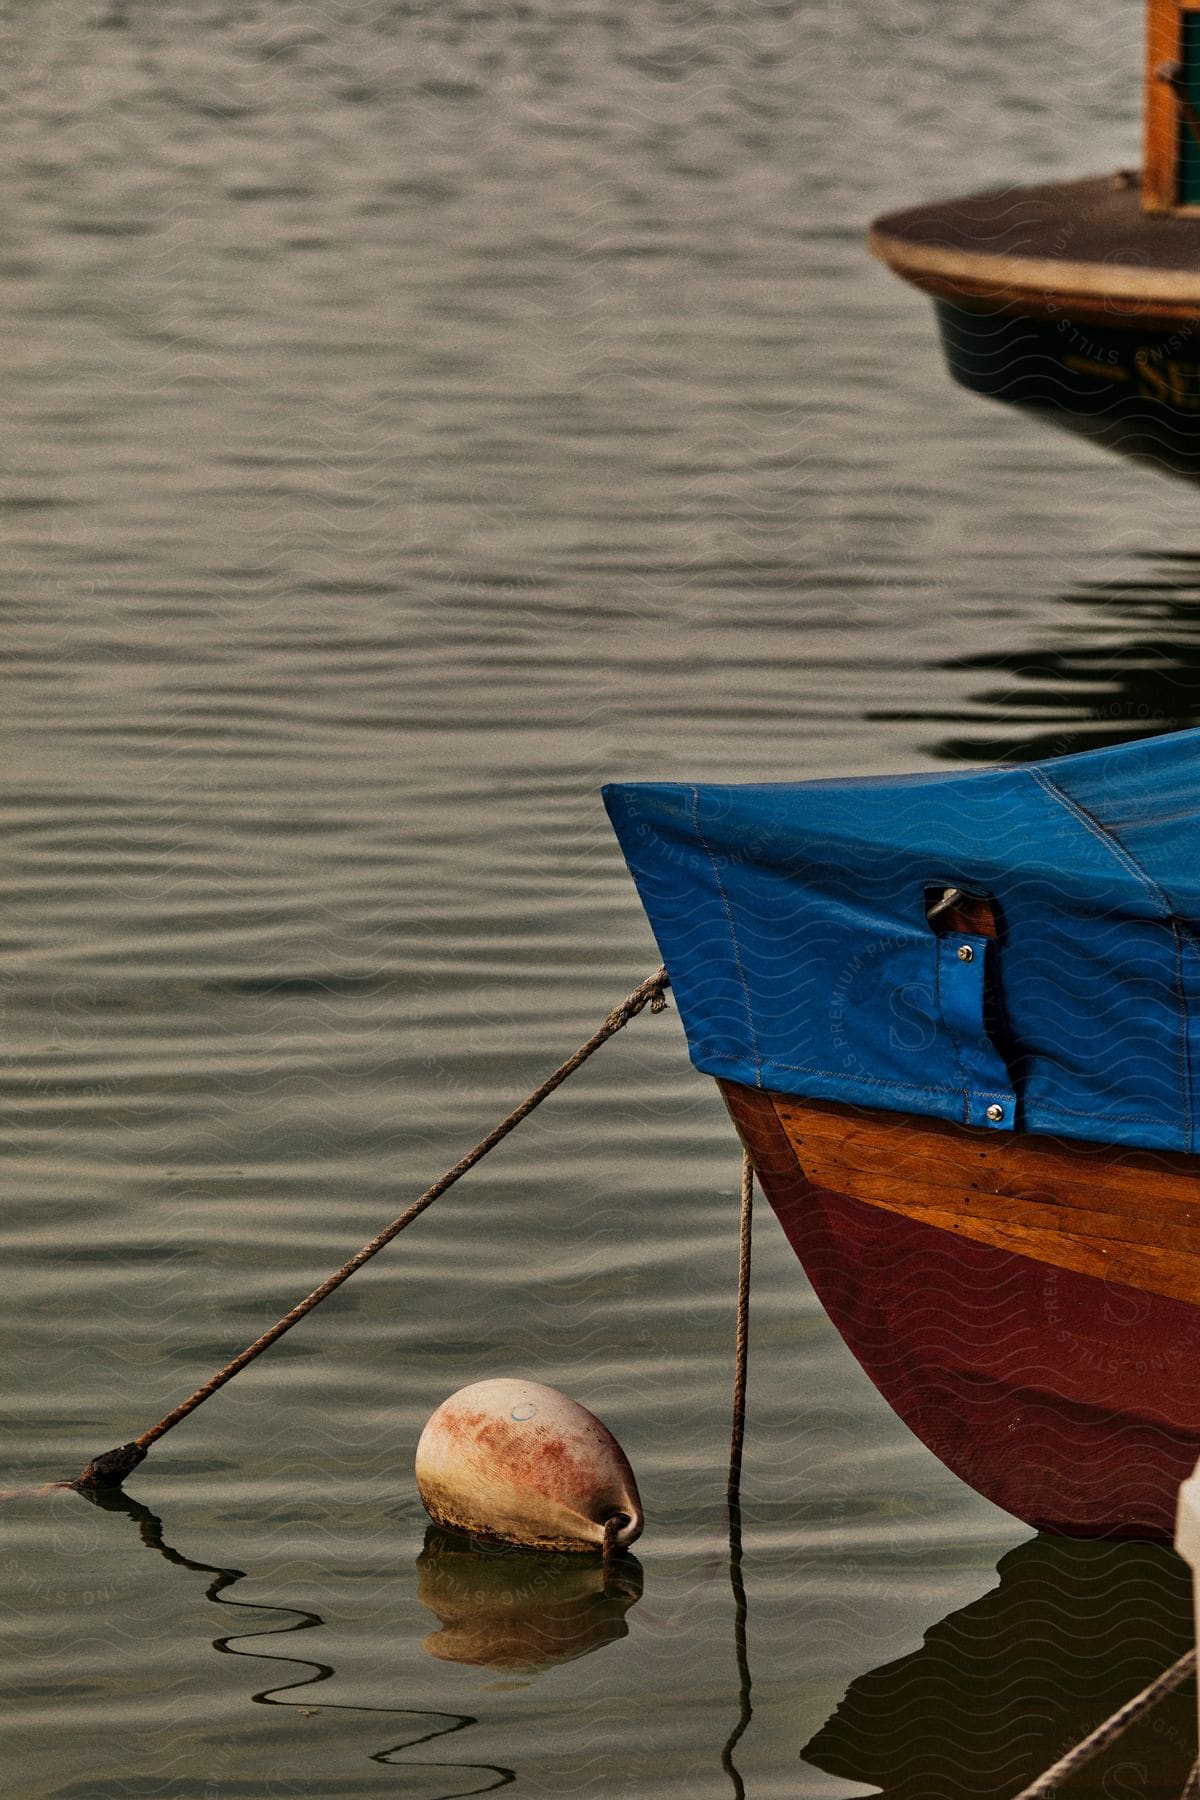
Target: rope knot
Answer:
[[110, 1469], [652, 993]]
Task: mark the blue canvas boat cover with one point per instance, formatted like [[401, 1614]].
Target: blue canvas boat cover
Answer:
[[792, 920]]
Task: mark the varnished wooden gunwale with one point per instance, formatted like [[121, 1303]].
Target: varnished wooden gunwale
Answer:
[[990, 292], [1122, 1215], [1081, 249]]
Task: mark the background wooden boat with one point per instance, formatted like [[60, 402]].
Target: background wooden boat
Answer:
[[1080, 300], [1069, 300], [1027, 1305]]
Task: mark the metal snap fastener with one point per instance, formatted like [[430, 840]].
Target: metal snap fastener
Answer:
[[965, 953], [995, 1113]]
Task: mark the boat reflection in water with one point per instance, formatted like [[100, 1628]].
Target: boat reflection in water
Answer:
[[1002, 1688], [510, 1609], [1123, 662]]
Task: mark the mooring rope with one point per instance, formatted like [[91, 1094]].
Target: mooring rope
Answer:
[[734, 1490], [110, 1469], [742, 1346], [1111, 1729]]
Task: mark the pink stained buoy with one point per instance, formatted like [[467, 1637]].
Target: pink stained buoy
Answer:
[[514, 1460]]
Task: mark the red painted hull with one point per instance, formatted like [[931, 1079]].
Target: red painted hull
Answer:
[[1068, 1400]]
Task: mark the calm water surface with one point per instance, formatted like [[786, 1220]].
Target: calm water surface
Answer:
[[417, 415]]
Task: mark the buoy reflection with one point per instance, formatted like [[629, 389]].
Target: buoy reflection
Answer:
[[500, 1608]]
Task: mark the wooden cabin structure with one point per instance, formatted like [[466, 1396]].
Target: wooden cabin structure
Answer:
[[1171, 108]]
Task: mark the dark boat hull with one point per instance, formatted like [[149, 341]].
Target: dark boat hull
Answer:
[[1133, 388], [1068, 1397], [1069, 301]]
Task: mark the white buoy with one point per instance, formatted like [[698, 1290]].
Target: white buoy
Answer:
[[514, 1460]]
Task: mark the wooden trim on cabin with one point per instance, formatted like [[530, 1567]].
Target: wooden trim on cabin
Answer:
[[1160, 109], [1122, 1215], [1043, 287], [1078, 309]]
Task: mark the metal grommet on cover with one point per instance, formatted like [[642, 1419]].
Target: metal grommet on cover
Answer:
[[965, 953], [995, 1113]]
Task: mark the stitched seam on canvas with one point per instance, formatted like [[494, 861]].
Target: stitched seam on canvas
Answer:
[[737, 952], [908, 1087], [1178, 927], [1103, 1118], [1102, 834]]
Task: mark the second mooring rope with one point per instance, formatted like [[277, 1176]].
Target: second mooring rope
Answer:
[[741, 1352], [734, 1489], [1111, 1729], [110, 1469]]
